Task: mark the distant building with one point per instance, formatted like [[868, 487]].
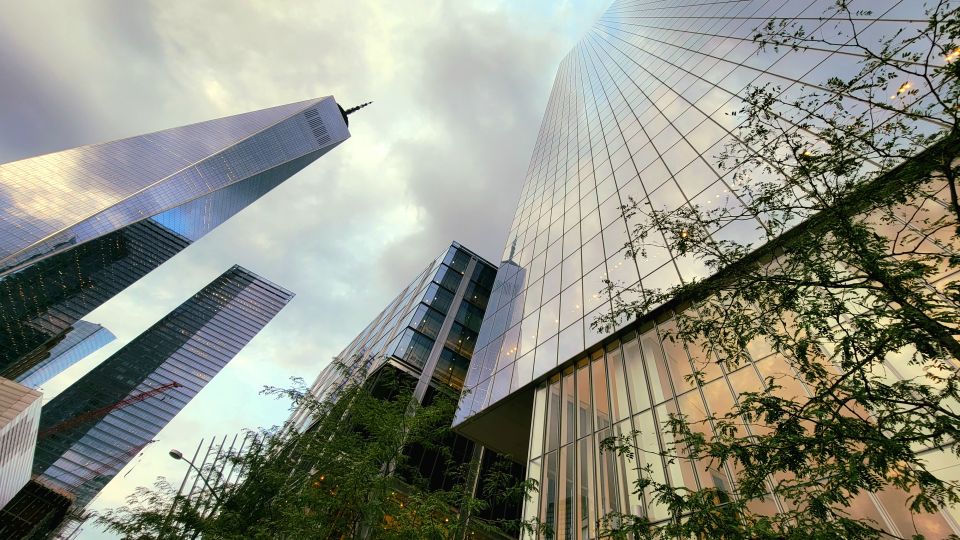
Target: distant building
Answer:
[[19, 418], [428, 331], [68, 348], [78, 226], [91, 430], [425, 335]]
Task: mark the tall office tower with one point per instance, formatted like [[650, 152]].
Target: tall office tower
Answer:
[[80, 225], [66, 349], [98, 424], [639, 108], [425, 335]]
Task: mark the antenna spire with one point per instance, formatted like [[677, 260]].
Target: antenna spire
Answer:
[[356, 108], [345, 112]]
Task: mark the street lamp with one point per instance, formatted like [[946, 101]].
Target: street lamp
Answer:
[[178, 455]]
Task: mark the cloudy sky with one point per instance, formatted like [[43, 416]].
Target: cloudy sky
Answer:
[[459, 88]]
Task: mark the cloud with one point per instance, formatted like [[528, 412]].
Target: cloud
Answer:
[[458, 90]]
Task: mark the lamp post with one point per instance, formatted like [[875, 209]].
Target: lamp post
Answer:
[[178, 455]]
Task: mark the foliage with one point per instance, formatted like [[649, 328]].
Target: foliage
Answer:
[[341, 478], [832, 185]]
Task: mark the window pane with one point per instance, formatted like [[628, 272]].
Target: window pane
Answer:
[[448, 278], [537, 422], [607, 477], [587, 508], [546, 357], [677, 360], [571, 305], [570, 270], [413, 348], [649, 447], [680, 471], [653, 356], [618, 389], [531, 505], [636, 380], [438, 298], [549, 320], [568, 428], [601, 398], [570, 343], [528, 334], [548, 491], [553, 414], [567, 516], [584, 402], [427, 321]]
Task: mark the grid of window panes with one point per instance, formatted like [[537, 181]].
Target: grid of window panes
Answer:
[[56, 200], [639, 110], [39, 303], [634, 383], [82, 339], [73, 222], [189, 347], [406, 331]]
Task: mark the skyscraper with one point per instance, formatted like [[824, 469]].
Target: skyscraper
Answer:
[[98, 424], [80, 225], [638, 109], [72, 345]]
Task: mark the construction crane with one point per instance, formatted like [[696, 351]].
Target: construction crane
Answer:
[[92, 474], [103, 411]]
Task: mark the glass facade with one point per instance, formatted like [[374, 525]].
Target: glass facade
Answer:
[[79, 226], [189, 346], [432, 324], [639, 109], [635, 382], [19, 418], [72, 345], [426, 335]]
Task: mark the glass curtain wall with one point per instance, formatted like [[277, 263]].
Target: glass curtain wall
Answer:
[[405, 332], [629, 388], [639, 109]]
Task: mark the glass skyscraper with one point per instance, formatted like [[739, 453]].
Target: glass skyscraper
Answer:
[[639, 108], [426, 336], [98, 424], [428, 331], [72, 345], [80, 225]]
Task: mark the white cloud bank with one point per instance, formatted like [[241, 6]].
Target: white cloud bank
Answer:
[[458, 90]]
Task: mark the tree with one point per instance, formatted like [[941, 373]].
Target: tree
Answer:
[[851, 189], [349, 475]]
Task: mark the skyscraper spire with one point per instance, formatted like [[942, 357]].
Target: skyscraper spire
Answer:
[[357, 108], [352, 110]]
